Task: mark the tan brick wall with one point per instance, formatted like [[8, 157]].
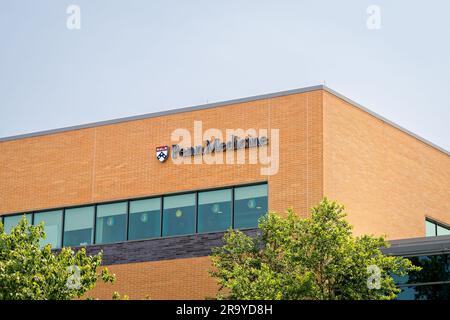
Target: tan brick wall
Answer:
[[299, 181], [388, 180], [167, 279]]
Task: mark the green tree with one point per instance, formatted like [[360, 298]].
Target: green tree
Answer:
[[31, 272], [306, 258]]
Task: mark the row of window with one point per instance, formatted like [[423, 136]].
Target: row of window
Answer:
[[434, 229], [195, 212]]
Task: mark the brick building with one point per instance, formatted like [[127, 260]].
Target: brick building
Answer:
[[104, 185]]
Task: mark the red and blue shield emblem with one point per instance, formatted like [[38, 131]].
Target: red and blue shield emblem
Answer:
[[162, 153]]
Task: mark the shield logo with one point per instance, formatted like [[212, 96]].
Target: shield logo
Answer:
[[162, 153]]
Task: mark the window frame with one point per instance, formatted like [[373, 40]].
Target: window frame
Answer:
[[61, 230], [15, 215], [234, 202], [93, 222], [127, 213], [436, 225], [195, 193], [161, 202], [231, 190]]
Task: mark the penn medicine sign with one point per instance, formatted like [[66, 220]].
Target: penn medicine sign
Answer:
[[216, 145], [209, 146]]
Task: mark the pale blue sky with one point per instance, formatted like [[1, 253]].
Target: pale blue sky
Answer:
[[133, 57]]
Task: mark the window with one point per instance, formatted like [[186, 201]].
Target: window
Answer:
[[145, 219], [438, 291], [79, 226], [430, 283], [111, 223], [441, 231], [214, 210], [433, 229], [179, 215], [250, 203], [11, 221], [430, 229], [52, 227]]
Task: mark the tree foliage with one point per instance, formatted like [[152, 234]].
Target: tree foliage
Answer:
[[31, 272], [306, 258]]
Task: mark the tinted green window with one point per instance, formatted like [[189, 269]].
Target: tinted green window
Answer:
[[52, 227], [433, 229], [11, 221], [250, 203], [179, 215], [214, 210], [145, 219], [439, 291], [441, 231], [79, 226], [430, 229], [430, 283], [111, 223]]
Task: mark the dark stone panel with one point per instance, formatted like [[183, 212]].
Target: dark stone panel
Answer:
[[198, 245]]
